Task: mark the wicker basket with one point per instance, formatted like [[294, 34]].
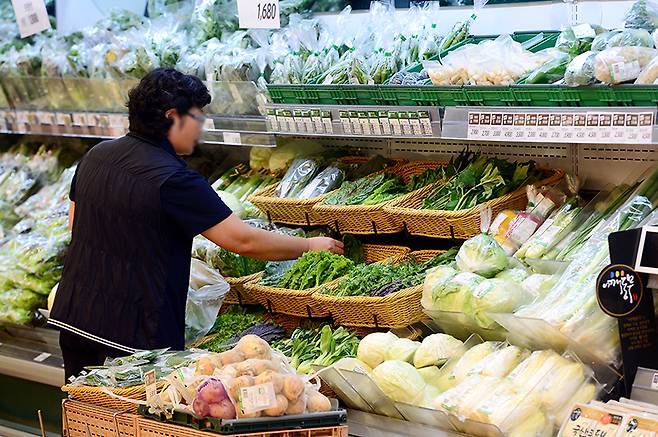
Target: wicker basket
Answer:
[[151, 428], [83, 420], [300, 303], [398, 309], [369, 219], [291, 211], [97, 396], [238, 295], [462, 224]]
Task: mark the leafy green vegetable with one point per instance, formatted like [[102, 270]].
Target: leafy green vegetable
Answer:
[[313, 269], [234, 320], [321, 347]]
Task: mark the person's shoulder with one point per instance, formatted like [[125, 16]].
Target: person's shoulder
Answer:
[[185, 176]]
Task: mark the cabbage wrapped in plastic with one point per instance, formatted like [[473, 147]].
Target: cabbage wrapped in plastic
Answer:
[[453, 295], [601, 41], [631, 37], [642, 15], [495, 296], [516, 274], [436, 349], [499, 363], [539, 284], [469, 360], [399, 381], [585, 394], [435, 279], [482, 255], [505, 407], [403, 349], [566, 378], [535, 425], [580, 70]]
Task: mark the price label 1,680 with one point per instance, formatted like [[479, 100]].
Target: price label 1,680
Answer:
[[259, 14]]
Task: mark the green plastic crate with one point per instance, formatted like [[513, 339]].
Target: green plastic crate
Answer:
[[489, 96], [425, 95]]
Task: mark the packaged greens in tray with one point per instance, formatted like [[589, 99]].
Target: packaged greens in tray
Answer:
[[327, 180], [301, 171]]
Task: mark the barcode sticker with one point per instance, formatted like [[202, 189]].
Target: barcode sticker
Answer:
[[257, 398], [232, 138], [623, 71], [31, 16], [41, 357]]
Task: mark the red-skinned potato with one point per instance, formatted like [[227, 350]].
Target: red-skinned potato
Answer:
[[222, 410], [200, 407]]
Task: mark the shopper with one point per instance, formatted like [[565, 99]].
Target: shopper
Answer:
[[135, 208]]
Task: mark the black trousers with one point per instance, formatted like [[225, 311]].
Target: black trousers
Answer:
[[79, 352]]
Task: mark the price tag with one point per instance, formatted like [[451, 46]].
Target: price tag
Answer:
[[79, 119], [638, 426], [345, 122], [555, 123], [485, 126], [21, 122], [384, 123], [299, 125], [289, 121], [531, 131], [318, 126], [646, 127], [543, 127], [592, 124], [394, 119], [257, 398], [259, 14], [474, 126], [356, 124], [580, 127], [425, 123], [568, 130], [31, 16], [308, 122], [373, 120], [632, 123], [405, 124], [416, 128], [209, 124], [496, 127], [605, 127], [232, 137], [272, 122], [590, 421], [326, 121], [151, 388], [519, 127], [365, 123], [41, 357]]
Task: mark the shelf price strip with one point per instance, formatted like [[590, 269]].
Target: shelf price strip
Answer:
[[581, 127]]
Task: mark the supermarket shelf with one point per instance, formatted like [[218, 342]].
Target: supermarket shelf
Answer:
[[645, 386], [32, 354], [371, 425], [593, 125]]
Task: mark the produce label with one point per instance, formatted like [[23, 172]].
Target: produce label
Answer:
[[257, 398], [619, 290], [31, 16], [257, 14], [640, 427], [326, 121], [232, 138], [624, 71], [587, 421]]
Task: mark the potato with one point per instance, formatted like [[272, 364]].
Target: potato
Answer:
[[223, 410], [271, 376], [252, 346], [213, 392], [279, 409], [238, 383], [200, 407], [317, 402], [293, 387], [297, 407], [253, 367], [204, 366], [231, 357]]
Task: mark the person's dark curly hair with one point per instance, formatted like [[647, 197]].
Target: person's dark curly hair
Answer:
[[159, 91]]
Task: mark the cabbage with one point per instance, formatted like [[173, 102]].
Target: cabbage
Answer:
[[431, 392], [560, 385], [353, 365], [500, 362], [403, 349], [469, 360], [517, 274], [452, 296], [584, 395], [451, 400], [495, 296], [284, 155], [533, 369], [431, 375], [233, 203], [374, 347], [536, 425], [507, 410], [482, 255], [435, 279], [436, 349], [399, 381]]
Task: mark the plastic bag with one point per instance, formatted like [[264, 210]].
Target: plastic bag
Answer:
[[601, 41], [642, 15], [631, 37], [327, 180], [204, 299], [550, 72], [578, 39], [621, 64], [580, 70], [301, 171], [649, 74]]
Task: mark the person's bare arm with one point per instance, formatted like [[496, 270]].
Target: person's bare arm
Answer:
[[236, 236], [71, 214]]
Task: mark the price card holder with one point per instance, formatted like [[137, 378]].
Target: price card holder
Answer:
[[373, 121], [622, 292], [605, 128], [298, 122], [425, 123], [327, 122], [568, 128], [592, 124], [531, 128], [316, 119], [356, 123], [345, 122], [289, 121], [632, 124], [645, 127], [543, 127], [308, 122], [518, 128], [232, 138], [365, 123], [384, 123], [394, 120], [405, 124], [271, 121]]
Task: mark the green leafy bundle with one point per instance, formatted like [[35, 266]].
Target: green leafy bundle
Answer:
[[321, 347], [313, 269], [370, 190], [236, 319], [483, 179]]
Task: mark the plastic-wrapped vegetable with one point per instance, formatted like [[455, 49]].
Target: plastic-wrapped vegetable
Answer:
[[631, 37], [600, 43], [642, 15], [482, 255], [622, 64], [550, 72], [578, 39], [453, 295], [649, 74], [580, 70], [301, 171], [495, 296], [325, 181]]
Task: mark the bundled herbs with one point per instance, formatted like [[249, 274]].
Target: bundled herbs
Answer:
[[370, 190], [266, 331], [234, 320], [381, 279], [322, 347], [313, 269], [481, 180]]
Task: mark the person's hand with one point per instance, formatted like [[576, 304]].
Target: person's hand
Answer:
[[325, 243]]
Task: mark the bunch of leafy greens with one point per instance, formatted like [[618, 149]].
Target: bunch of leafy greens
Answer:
[[234, 320], [380, 279], [483, 179], [313, 269], [370, 190], [322, 347]]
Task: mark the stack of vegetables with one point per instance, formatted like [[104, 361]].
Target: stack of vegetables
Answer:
[[519, 392], [33, 249], [236, 185], [217, 383]]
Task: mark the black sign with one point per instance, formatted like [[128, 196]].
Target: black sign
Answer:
[[619, 290]]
